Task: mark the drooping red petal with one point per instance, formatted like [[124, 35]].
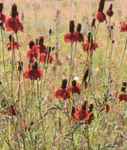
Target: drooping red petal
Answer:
[[13, 25], [100, 16]]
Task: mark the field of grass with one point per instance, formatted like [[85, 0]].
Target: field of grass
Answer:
[[41, 121]]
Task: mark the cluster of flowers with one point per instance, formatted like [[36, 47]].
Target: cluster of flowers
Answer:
[[88, 43], [79, 113], [11, 24], [100, 16], [65, 91], [37, 54], [83, 113]]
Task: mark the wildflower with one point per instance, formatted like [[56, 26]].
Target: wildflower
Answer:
[[90, 115], [2, 16], [89, 45], [110, 11], [100, 16], [75, 88], [78, 34], [123, 26], [42, 47], [83, 111], [46, 58], [74, 36], [12, 45], [71, 37], [13, 23], [33, 72], [80, 113], [33, 52], [63, 93], [77, 114]]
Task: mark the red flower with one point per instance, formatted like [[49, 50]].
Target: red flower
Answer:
[[123, 26], [89, 46], [13, 46], [33, 53], [70, 38], [46, 58], [78, 115], [73, 36], [100, 16], [34, 72], [13, 24], [75, 88], [123, 97], [62, 94], [81, 113], [79, 36], [42, 49]]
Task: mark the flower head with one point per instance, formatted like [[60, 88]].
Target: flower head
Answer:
[[80, 113], [75, 88], [12, 45], [13, 23], [73, 36], [46, 58], [42, 47], [62, 93], [33, 72], [33, 52], [100, 16], [89, 45]]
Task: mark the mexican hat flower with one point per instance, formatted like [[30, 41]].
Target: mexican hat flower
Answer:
[[34, 72], [13, 23]]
